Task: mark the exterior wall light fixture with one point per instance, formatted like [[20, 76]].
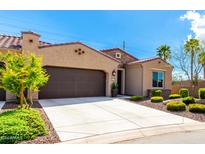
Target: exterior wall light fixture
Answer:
[[113, 73]]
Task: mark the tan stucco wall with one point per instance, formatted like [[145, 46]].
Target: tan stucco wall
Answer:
[[4, 51], [10, 96], [133, 80], [139, 76], [28, 46], [156, 65]]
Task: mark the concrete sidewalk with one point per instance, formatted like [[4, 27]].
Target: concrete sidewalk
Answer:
[[137, 134], [99, 117], [184, 137]]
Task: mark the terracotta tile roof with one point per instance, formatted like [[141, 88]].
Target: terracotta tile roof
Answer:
[[146, 60], [112, 49], [14, 42]]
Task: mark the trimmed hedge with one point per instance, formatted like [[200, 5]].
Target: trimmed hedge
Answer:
[[156, 99], [188, 100], [21, 124], [156, 92], [176, 106], [173, 96], [201, 93], [197, 108], [136, 98], [184, 92]]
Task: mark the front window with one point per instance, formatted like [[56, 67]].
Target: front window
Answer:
[[158, 79]]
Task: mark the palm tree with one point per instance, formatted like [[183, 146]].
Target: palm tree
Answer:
[[201, 60], [164, 52], [192, 46]]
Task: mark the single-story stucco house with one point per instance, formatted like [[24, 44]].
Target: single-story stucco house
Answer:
[[77, 70]]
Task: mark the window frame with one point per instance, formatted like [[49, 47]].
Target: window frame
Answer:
[[163, 82]]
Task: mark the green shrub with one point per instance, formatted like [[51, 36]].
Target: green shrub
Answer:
[[136, 98], [157, 99], [197, 108], [188, 100], [201, 93], [21, 124], [184, 92], [114, 85], [176, 106], [156, 92], [173, 96]]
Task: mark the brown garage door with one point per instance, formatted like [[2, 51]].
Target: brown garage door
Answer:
[[68, 82], [2, 92]]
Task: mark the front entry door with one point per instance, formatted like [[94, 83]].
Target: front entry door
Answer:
[[119, 81]]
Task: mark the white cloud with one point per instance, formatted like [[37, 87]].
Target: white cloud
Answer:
[[197, 23], [189, 37]]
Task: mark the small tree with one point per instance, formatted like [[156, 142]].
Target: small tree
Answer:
[[13, 74], [37, 76], [181, 62], [21, 72]]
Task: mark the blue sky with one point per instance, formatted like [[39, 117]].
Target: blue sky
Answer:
[[143, 31]]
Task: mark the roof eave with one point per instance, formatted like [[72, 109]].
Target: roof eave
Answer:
[[146, 61]]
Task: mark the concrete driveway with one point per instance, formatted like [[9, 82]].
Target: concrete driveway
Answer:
[[78, 118]]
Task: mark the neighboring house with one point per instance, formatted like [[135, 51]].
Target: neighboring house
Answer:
[[77, 70]]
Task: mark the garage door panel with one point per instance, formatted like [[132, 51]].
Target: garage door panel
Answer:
[[68, 82]]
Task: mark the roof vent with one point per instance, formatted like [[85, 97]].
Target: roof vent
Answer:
[[118, 55]]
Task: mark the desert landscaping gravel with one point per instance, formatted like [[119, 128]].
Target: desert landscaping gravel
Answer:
[[162, 106]]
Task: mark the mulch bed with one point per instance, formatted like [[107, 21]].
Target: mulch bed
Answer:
[[160, 106], [50, 138]]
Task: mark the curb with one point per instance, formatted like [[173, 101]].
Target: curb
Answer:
[[116, 137]]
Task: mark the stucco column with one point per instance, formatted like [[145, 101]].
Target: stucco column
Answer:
[[109, 80], [10, 96], [34, 95], [107, 87]]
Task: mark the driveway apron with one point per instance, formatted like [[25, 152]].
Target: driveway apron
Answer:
[[76, 118]]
